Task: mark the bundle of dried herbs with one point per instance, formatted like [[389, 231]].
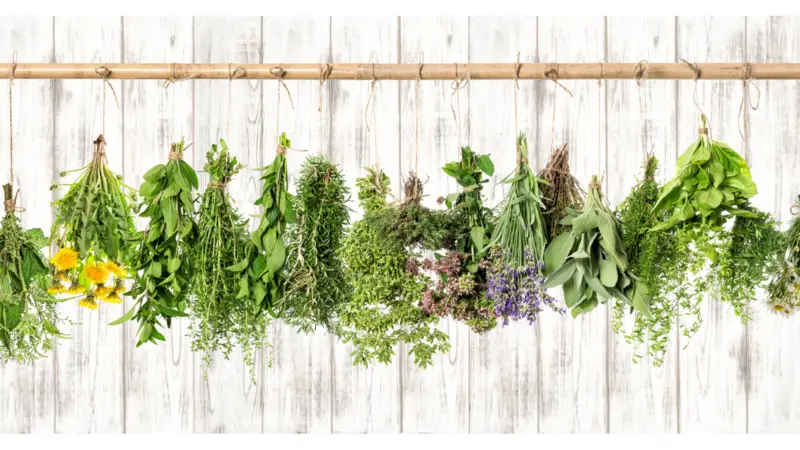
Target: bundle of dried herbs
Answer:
[[219, 318], [28, 317], [94, 232], [162, 264], [515, 275], [383, 310], [590, 259], [662, 260], [261, 276], [784, 283], [560, 192], [461, 288], [316, 284]]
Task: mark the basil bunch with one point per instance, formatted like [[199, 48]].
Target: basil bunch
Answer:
[[590, 259]]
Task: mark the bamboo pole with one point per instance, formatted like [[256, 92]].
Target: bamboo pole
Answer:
[[366, 71]]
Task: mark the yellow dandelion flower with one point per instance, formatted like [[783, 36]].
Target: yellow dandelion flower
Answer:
[[119, 287], [103, 291], [88, 302], [56, 288], [114, 268], [96, 273], [75, 288], [112, 298], [65, 259], [61, 275]]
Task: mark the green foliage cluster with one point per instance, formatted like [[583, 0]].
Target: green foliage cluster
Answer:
[[162, 263], [590, 260], [560, 191], [784, 283], [383, 310], [316, 285], [95, 216], [28, 317], [220, 320]]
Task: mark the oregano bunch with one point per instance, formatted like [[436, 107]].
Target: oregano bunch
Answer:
[[784, 285], [94, 232], [162, 262], [28, 317], [315, 280], [384, 310]]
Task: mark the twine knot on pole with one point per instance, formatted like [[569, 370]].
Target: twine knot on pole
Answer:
[[280, 73], [640, 72], [552, 75], [175, 76], [324, 72]]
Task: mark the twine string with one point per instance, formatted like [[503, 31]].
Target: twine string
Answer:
[[552, 75], [696, 71], [517, 68], [11, 124], [640, 75], [233, 74], [416, 123], [746, 105], [366, 118], [458, 84], [104, 72], [324, 72], [176, 77], [600, 104]]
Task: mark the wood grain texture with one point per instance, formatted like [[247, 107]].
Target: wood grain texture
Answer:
[[158, 378], [436, 399], [225, 400], [299, 384], [572, 375], [713, 382], [503, 362], [365, 400], [640, 119], [772, 368], [89, 379], [27, 399]]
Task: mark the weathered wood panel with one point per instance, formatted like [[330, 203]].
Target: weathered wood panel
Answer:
[[89, 379], [158, 378], [572, 375], [436, 399], [640, 119], [365, 400], [503, 394], [772, 369], [299, 385], [712, 367], [27, 399], [226, 400]]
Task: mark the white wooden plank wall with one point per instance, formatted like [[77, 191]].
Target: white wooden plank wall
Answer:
[[560, 375]]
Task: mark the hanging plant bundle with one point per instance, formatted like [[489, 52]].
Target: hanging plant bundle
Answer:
[[590, 260], [784, 283], [28, 317], [162, 262], [94, 233], [261, 278], [461, 288], [560, 192], [387, 284], [516, 272], [714, 185], [316, 284], [662, 260], [219, 318]]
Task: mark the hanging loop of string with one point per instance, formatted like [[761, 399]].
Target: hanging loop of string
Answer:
[[416, 122], [458, 84], [640, 75], [746, 105], [369, 98], [104, 72], [552, 75], [11, 121], [705, 130], [599, 104], [324, 72], [521, 159], [233, 74]]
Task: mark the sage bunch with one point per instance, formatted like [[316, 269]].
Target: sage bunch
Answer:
[[162, 264]]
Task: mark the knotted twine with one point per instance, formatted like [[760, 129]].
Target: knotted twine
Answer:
[[233, 74], [552, 75], [366, 121], [10, 203], [104, 72], [745, 105], [640, 75], [458, 84], [416, 126], [521, 159], [696, 70], [279, 73]]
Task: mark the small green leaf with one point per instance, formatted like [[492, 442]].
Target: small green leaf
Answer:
[[486, 165]]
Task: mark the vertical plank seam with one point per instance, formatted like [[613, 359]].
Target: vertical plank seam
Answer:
[[264, 355], [331, 340], [54, 169], [604, 97], [124, 329], [469, 338], [537, 130], [747, 324], [400, 346], [677, 316], [194, 138]]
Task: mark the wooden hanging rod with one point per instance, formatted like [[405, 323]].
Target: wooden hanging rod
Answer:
[[366, 71]]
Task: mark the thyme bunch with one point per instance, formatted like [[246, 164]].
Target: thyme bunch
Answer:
[[28, 317], [784, 283], [560, 192], [316, 284]]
